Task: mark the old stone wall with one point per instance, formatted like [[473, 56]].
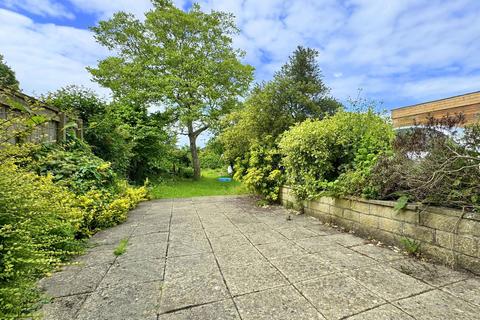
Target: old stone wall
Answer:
[[446, 235]]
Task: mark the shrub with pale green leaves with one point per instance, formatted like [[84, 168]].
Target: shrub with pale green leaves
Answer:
[[334, 155], [38, 224], [260, 172]]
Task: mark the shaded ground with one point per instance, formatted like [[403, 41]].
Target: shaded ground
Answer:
[[224, 258], [208, 185]]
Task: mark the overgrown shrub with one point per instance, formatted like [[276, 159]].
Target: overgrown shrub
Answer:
[[435, 164], [260, 172], [103, 198], [74, 166], [38, 224], [336, 154], [51, 198]]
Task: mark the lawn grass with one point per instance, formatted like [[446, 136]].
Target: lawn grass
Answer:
[[206, 186]]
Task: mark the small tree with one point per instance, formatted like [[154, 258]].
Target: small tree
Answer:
[[181, 61], [7, 76]]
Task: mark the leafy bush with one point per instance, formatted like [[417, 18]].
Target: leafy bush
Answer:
[[103, 198], [434, 164], [260, 172], [51, 198], [103, 209], [212, 155], [74, 166], [38, 224], [334, 155]]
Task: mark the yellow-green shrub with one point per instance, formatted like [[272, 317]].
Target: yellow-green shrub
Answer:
[[336, 154], [38, 224], [260, 172], [102, 209]]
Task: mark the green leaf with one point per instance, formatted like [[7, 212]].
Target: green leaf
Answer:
[[401, 203]]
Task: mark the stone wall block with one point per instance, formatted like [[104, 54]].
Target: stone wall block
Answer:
[[368, 220], [381, 211], [419, 233], [390, 225], [439, 221], [464, 244], [359, 206]]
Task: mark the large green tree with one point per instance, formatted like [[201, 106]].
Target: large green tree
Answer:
[[182, 61], [7, 76]]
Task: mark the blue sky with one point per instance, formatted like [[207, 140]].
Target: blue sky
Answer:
[[398, 52]]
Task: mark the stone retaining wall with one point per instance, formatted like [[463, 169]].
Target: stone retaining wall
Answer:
[[445, 235]]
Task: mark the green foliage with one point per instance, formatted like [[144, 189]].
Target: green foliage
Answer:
[[334, 155], [411, 246], [260, 172], [38, 224], [401, 204], [432, 164], [103, 198], [250, 138], [183, 60], [77, 100], [212, 155], [51, 197], [75, 167], [296, 93], [129, 137], [7, 76], [121, 248]]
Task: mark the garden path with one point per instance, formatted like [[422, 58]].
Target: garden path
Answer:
[[225, 258]]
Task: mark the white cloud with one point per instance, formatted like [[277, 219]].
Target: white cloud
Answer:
[[385, 47], [46, 57], [44, 8], [106, 8], [395, 50]]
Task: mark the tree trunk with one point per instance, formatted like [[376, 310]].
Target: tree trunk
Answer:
[[192, 136]]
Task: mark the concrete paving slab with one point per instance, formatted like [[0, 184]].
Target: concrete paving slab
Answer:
[[74, 280], [317, 244], [135, 301], [264, 237], [344, 258], [131, 272], [384, 312], [338, 296], [432, 274], [468, 290], [225, 254], [303, 267], [378, 253], [224, 310], [190, 281], [284, 303], [387, 282], [242, 256], [229, 242], [139, 251], [64, 308], [434, 305], [242, 279], [280, 249], [296, 232]]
